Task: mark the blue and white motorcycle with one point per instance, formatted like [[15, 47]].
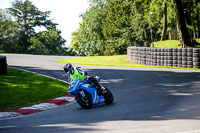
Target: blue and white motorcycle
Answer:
[[86, 94]]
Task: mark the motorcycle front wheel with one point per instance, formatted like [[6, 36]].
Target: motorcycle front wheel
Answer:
[[85, 102], [108, 96]]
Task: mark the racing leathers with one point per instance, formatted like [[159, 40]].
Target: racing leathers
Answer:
[[78, 73]]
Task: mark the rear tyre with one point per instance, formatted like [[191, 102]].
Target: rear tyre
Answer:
[[85, 102], [108, 96]]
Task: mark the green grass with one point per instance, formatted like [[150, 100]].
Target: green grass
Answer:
[[117, 60], [21, 89], [167, 44], [170, 44], [198, 40]]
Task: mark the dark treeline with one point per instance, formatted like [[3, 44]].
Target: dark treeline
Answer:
[[110, 26], [18, 35]]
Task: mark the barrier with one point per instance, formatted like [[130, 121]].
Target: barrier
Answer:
[[173, 57], [3, 65]]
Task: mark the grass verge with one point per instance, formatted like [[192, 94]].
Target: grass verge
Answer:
[[117, 60], [21, 89], [171, 44], [167, 44]]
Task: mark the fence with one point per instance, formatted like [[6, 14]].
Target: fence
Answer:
[[173, 57]]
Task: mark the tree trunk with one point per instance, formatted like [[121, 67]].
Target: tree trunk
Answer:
[[170, 35], [164, 21], [198, 25], [185, 38]]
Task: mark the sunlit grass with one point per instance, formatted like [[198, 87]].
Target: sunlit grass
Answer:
[[19, 89], [117, 60], [198, 40], [167, 44], [170, 44]]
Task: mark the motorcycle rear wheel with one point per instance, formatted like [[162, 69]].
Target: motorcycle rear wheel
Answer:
[[85, 102]]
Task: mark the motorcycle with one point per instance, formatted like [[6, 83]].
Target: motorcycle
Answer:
[[86, 94]]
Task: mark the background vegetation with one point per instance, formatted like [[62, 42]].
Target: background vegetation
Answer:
[[108, 27], [18, 30]]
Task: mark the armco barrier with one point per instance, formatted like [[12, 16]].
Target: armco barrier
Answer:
[[173, 57]]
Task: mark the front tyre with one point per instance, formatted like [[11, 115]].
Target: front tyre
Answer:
[[85, 102], [108, 96]]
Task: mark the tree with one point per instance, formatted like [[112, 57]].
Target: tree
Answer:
[[8, 33], [117, 27], [47, 42], [197, 17], [89, 39], [164, 20], [185, 38], [28, 17], [140, 25], [191, 12], [110, 26]]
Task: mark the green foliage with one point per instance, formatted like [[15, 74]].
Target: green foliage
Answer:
[[19, 36], [128, 23], [108, 27], [192, 13], [139, 25], [117, 29], [47, 42], [8, 33], [89, 39], [105, 29], [28, 16]]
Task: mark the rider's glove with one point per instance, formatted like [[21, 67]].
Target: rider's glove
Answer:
[[97, 78]]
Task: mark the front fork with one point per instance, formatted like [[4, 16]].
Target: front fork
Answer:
[[82, 93]]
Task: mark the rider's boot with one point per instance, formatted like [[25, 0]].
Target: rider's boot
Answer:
[[100, 90]]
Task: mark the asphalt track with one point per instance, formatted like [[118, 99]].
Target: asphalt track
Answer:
[[146, 100]]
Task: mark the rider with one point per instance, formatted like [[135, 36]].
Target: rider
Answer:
[[77, 72]]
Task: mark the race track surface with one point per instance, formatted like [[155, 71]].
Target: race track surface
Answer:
[[146, 100]]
